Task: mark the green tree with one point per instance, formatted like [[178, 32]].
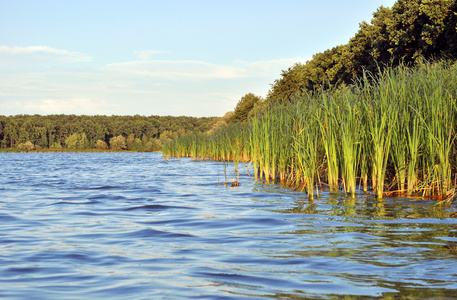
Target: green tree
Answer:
[[83, 142], [41, 137], [77, 141], [130, 140], [155, 144], [416, 27], [407, 32], [72, 142], [244, 106], [144, 140], [117, 143], [137, 145], [56, 146], [292, 81], [167, 136], [101, 145], [148, 147], [27, 146], [24, 135]]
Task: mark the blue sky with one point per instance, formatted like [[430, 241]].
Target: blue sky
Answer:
[[150, 57]]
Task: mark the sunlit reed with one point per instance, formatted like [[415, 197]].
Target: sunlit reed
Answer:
[[392, 132]]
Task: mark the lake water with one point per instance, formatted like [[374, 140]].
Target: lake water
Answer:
[[133, 226]]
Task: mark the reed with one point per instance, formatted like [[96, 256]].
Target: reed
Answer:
[[439, 119], [285, 130], [328, 121], [349, 133], [394, 131], [399, 144], [379, 104], [306, 143]]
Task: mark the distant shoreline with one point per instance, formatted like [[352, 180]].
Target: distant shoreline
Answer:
[[73, 151]]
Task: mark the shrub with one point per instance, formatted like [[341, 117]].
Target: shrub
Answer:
[[101, 145], [117, 143], [27, 146]]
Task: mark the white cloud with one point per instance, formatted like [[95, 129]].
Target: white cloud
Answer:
[[147, 54], [42, 52], [163, 87], [66, 106], [238, 69], [179, 69], [282, 61], [268, 68]]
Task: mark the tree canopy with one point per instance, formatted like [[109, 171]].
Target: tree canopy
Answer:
[[83, 132], [244, 106]]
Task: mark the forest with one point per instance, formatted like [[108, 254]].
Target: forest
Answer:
[[78, 133]]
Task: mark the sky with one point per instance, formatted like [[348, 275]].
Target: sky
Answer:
[[160, 57]]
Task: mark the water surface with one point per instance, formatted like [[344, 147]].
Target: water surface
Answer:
[[132, 226]]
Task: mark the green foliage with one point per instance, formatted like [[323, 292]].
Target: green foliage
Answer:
[[244, 107], [221, 122], [149, 147], [292, 81], [137, 145], [101, 145], [77, 141], [117, 143], [56, 146], [129, 141], [27, 146], [154, 145], [51, 132]]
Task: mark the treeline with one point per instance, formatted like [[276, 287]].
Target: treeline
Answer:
[[72, 132]]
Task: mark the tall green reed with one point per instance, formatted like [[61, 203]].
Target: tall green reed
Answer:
[[306, 145], [395, 129], [379, 109], [329, 127], [349, 133]]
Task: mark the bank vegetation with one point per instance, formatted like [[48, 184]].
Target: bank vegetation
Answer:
[[375, 116]]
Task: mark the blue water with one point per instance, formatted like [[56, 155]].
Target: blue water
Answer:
[[133, 226]]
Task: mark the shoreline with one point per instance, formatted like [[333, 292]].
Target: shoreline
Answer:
[[74, 151]]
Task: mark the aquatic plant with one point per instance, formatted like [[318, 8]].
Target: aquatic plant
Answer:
[[306, 145], [393, 131], [328, 120]]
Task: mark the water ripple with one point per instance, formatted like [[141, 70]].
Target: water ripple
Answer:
[[133, 226]]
